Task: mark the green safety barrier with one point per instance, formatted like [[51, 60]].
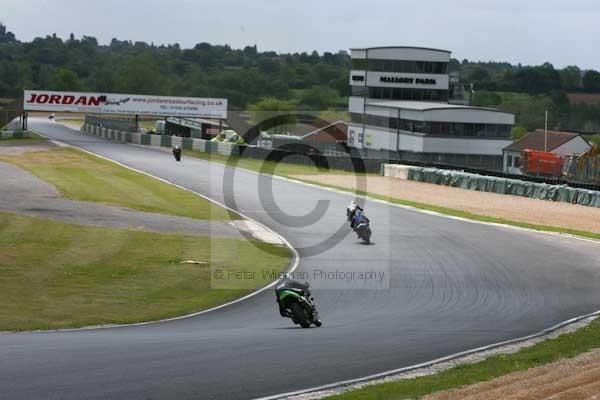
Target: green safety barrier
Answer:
[[145, 139], [187, 143], [165, 141], [499, 185], [13, 135], [212, 147]]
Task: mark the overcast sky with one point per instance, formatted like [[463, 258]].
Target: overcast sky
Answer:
[[525, 31]]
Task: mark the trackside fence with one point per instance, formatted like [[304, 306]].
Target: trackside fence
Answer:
[[530, 186]]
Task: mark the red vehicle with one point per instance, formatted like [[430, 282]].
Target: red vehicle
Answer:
[[541, 163]]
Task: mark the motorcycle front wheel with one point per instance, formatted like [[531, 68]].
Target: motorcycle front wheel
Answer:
[[300, 315]]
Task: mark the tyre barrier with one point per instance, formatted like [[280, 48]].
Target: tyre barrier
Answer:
[[491, 184]]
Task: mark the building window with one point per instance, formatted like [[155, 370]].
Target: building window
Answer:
[[407, 67], [440, 68], [479, 129], [517, 162], [359, 91], [407, 94], [356, 118], [375, 65], [388, 93], [455, 129]]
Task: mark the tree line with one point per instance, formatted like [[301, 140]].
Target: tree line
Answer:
[[244, 76], [247, 77]]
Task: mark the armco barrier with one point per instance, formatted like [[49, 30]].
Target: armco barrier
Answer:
[[529, 187], [346, 163], [515, 187], [13, 134]]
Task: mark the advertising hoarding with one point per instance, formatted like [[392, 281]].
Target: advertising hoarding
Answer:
[[127, 104]]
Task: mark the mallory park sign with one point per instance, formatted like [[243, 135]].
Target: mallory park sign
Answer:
[[411, 81], [127, 104]]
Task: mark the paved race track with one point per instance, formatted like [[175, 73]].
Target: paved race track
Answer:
[[454, 285]]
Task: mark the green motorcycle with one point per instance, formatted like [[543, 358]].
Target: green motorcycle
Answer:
[[295, 302]]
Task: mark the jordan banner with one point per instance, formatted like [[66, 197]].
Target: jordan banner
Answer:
[[125, 104]]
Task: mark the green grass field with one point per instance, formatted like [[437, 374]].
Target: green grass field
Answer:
[[564, 346], [31, 138], [81, 176], [56, 275], [267, 167]]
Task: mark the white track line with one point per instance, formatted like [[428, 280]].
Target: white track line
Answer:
[[293, 265], [394, 371], [428, 364]]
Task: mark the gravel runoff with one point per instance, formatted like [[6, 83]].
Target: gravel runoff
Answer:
[[569, 379], [468, 359], [514, 208], [25, 194]]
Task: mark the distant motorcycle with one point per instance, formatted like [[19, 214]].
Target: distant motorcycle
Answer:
[[359, 222], [177, 153], [295, 302]]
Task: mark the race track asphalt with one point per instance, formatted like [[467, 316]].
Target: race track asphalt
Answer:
[[453, 285]]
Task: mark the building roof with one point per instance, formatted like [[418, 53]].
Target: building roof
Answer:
[[400, 47], [427, 106], [337, 128], [536, 140]]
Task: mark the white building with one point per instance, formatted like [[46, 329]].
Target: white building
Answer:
[[399, 108]]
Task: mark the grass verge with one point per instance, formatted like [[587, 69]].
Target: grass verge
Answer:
[[290, 170], [81, 176], [30, 139], [459, 213], [55, 275], [565, 346], [270, 167]]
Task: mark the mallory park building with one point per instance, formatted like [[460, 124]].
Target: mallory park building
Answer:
[[400, 107]]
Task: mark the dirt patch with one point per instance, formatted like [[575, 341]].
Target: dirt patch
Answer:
[[575, 378], [514, 208], [23, 193]]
